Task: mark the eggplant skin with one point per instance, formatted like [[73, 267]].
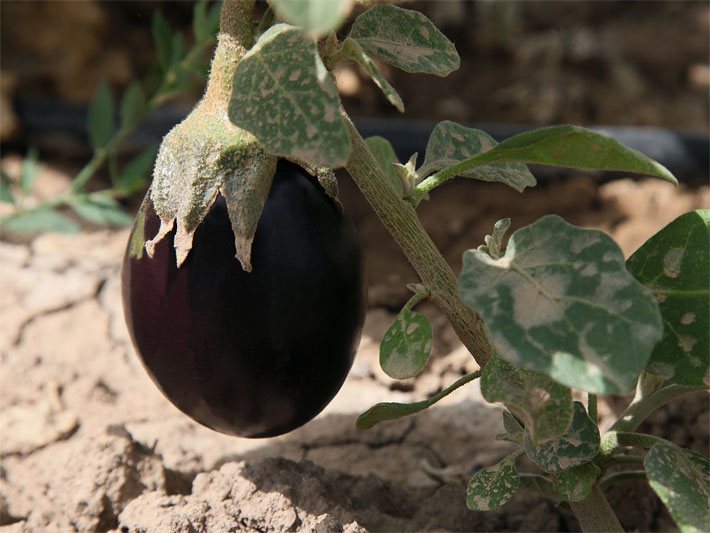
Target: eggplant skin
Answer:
[[253, 354]]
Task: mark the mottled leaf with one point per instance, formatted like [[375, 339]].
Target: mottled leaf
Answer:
[[103, 211], [101, 115], [560, 301], [577, 446], [674, 265], [572, 147], [577, 482], [406, 345], [288, 100], [315, 16], [490, 488], [133, 105], [450, 143], [40, 220], [387, 158], [405, 39], [393, 410], [544, 406], [681, 479], [353, 50]]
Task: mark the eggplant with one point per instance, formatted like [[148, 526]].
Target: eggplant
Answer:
[[251, 354]]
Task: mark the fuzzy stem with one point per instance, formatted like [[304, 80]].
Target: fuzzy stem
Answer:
[[234, 39], [400, 219], [595, 514]]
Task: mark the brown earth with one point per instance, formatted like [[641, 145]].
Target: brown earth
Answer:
[[89, 444]]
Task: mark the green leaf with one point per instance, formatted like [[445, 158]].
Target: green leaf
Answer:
[[101, 115], [674, 265], [133, 176], [133, 105], [40, 220], [6, 195], [162, 36], [490, 488], [317, 17], [573, 147], [577, 482], [287, 99], [405, 39], [577, 446], [393, 410], [205, 23], [494, 243], [101, 210], [450, 143], [406, 345], [29, 170], [177, 49], [681, 479], [544, 406], [387, 158], [560, 301], [353, 50]]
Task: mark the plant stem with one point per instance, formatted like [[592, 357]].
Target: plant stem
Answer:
[[595, 514], [234, 39], [642, 406], [400, 219], [609, 480], [592, 407]]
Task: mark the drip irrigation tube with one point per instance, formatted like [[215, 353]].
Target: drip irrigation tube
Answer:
[[686, 154]]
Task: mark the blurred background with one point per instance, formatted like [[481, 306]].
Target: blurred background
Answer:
[[71, 182]]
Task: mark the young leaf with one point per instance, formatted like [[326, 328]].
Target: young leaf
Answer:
[[101, 115], [163, 39], [573, 147], [450, 143], [101, 211], [353, 50], [40, 220], [681, 479], [577, 482], [29, 170], [560, 301], [406, 345], [133, 105], [544, 406], [392, 410], [577, 446], [287, 99], [405, 39], [494, 242], [133, 176], [317, 17], [490, 488], [387, 158], [674, 265]]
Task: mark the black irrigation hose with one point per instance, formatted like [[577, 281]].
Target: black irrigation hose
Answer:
[[686, 154]]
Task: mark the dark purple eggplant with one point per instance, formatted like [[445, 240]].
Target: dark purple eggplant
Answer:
[[253, 354]]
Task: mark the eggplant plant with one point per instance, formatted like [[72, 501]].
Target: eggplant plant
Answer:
[[550, 310]]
